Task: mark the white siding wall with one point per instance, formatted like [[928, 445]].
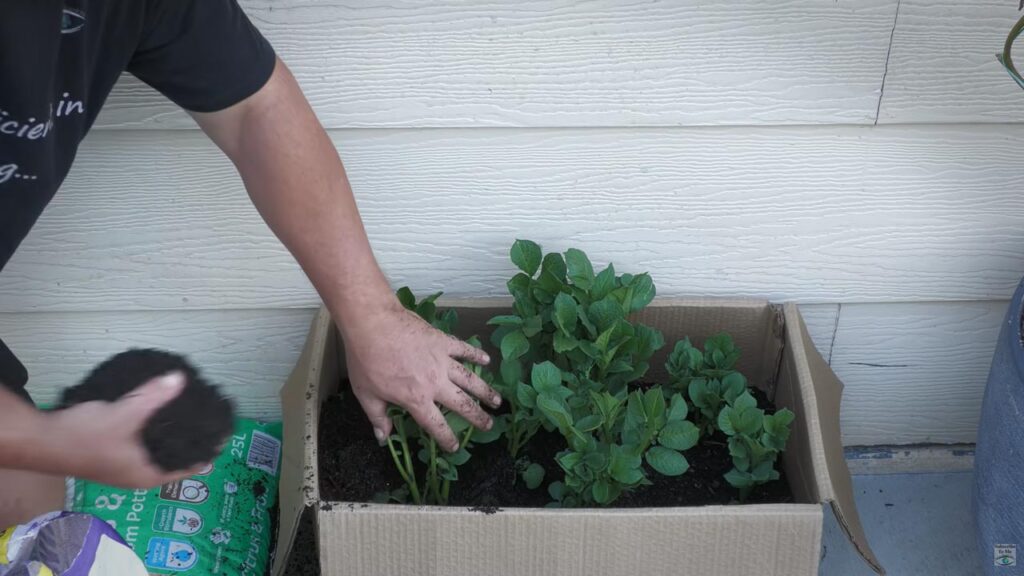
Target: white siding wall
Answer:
[[859, 157]]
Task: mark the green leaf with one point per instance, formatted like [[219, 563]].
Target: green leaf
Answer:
[[604, 283], [744, 401], [602, 492], [585, 320], [565, 313], [698, 391], [526, 395], [562, 343], [736, 419], [589, 423], [496, 431], [407, 298], [580, 270], [546, 377], [532, 326], [555, 411], [739, 479], [605, 313], [519, 287], [667, 462], [458, 458], [733, 385], [604, 340], [511, 372], [739, 449], [590, 349], [514, 345], [620, 367], [526, 255], [447, 322], [457, 423], [654, 405], [677, 408], [556, 490], [635, 414], [549, 285], [643, 292], [427, 310], [596, 461], [679, 435], [509, 320], [725, 418], [554, 265], [569, 460], [624, 467], [647, 341], [533, 476]]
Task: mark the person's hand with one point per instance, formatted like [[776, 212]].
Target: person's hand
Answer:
[[102, 441], [395, 357]]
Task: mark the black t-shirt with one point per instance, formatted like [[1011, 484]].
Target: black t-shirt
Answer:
[[60, 58]]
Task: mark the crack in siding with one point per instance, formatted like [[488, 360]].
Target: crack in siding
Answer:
[[874, 365], [835, 330], [885, 72]]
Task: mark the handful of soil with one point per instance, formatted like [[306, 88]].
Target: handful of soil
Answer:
[[188, 431]]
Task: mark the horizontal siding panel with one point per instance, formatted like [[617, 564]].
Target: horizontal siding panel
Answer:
[[249, 353], [161, 220], [943, 66], [914, 373], [542, 63]]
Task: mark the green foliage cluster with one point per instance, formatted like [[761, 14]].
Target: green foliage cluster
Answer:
[[572, 360]]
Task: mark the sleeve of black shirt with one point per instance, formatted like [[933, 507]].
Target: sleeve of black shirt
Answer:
[[205, 55]]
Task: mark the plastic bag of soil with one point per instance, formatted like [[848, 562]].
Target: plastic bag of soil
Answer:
[[216, 522], [66, 544]]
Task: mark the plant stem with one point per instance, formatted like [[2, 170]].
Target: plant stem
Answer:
[[432, 475], [410, 481], [411, 474], [447, 481]]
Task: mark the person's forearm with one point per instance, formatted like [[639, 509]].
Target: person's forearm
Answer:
[[295, 178], [25, 443]]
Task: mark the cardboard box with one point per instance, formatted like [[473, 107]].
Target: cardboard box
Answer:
[[768, 540]]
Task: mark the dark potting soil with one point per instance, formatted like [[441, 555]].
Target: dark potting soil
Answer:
[[353, 468], [189, 431]]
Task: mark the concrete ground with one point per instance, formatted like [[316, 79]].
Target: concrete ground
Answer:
[[917, 524]]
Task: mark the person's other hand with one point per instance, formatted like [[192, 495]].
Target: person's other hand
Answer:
[[395, 357], [102, 441]]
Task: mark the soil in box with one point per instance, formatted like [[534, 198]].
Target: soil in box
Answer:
[[353, 468]]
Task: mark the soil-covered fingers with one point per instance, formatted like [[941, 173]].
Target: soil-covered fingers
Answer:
[[460, 402], [430, 419], [466, 351], [470, 382]]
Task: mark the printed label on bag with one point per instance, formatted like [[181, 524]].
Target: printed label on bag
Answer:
[[167, 554], [175, 519], [264, 453], [1005, 554], [187, 490]]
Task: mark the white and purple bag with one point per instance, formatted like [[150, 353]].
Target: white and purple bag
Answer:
[[66, 544]]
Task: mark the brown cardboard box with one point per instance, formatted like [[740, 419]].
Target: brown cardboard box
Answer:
[[768, 540]]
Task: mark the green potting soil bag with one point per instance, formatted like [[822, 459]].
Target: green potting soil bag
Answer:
[[216, 522]]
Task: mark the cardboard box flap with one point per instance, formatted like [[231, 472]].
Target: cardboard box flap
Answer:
[[293, 492], [831, 471]]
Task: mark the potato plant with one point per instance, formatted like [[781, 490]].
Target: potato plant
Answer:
[[609, 435], [565, 314], [721, 395], [439, 469], [755, 441]]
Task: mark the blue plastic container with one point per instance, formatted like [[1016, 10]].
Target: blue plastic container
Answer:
[[999, 457]]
